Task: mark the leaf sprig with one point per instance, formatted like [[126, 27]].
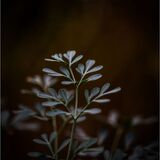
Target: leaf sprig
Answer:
[[96, 94], [65, 103]]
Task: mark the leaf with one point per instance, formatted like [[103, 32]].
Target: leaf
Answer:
[[105, 87], [35, 80], [63, 94], [39, 141], [102, 100], [51, 103], [93, 111], [80, 69], [78, 58], [51, 60], [20, 117], [106, 155], [52, 73], [35, 154], [63, 145], [70, 96], [118, 155], [44, 137], [58, 57], [96, 149], [94, 77], [27, 126], [86, 93], [40, 109], [95, 69], [69, 55], [113, 91], [65, 71], [102, 136], [86, 144], [52, 92], [128, 139], [52, 137], [93, 152], [49, 81], [67, 82], [35, 91], [94, 92], [44, 95], [55, 113], [48, 70], [89, 64], [23, 114]]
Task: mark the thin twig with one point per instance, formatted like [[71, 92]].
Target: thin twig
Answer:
[[70, 69], [71, 141], [51, 150]]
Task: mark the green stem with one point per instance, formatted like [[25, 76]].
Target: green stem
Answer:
[[71, 141]]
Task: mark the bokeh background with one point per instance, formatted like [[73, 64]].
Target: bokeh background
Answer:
[[121, 35]]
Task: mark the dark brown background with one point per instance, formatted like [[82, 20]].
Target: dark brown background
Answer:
[[121, 35]]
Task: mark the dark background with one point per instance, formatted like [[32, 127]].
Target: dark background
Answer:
[[121, 35]]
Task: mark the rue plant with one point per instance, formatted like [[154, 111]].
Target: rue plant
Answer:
[[64, 104]]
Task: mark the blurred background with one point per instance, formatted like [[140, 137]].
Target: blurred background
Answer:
[[121, 35]]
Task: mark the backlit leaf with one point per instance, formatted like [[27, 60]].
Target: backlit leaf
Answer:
[[102, 100], [63, 145], [94, 92], [93, 111], [113, 91], [52, 137], [105, 87], [51, 103], [67, 82], [78, 58], [55, 113], [39, 141], [89, 64], [52, 92], [94, 77], [35, 154], [95, 69]]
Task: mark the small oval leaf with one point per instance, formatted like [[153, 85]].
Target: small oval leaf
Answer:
[[102, 100], [94, 77], [93, 111], [51, 103]]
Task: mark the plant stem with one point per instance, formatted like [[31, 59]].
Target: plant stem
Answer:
[[116, 139], [82, 111], [76, 101], [74, 125], [71, 141], [63, 126], [54, 123], [51, 150], [70, 69]]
